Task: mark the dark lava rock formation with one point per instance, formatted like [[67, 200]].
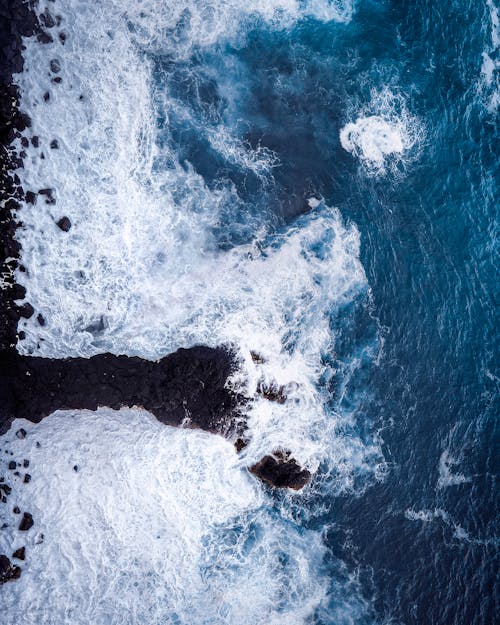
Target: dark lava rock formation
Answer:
[[186, 388], [281, 470]]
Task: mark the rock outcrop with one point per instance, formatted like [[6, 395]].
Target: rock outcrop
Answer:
[[188, 387], [281, 471]]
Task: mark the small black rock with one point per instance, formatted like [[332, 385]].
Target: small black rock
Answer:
[[30, 197], [47, 19], [7, 570], [75, 468], [55, 66], [40, 319], [26, 522], [46, 96], [44, 37], [16, 510], [35, 141], [12, 465], [54, 144], [64, 223], [26, 463], [26, 310], [27, 478], [20, 553], [21, 433]]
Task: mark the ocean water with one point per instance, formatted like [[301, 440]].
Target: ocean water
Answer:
[[315, 181]]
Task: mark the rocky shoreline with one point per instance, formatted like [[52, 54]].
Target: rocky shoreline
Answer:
[[18, 20], [188, 388]]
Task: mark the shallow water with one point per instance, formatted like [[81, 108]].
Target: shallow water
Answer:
[[315, 181]]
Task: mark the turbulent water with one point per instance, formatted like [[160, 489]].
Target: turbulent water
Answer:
[[314, 181]]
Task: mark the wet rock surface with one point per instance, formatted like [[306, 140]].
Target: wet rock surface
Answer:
[[186, 388], [281, 470], [26, 522], [20, 554], [8, 571], [17, 20]]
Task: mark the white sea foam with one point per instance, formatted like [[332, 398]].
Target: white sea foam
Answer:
[[157, 525], [383, 134], [446, 476], [426, 516], [490, 68]]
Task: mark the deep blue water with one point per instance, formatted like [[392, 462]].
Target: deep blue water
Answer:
[[430, 250]]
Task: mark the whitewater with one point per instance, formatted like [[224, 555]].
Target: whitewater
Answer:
[[170, 527]]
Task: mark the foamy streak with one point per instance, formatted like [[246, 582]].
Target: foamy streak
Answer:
[[382, 134], [490, 68], [446, 476], [140, 271], [157, 525]]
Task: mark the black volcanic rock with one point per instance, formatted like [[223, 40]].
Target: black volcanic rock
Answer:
[[20, 553], [7, 570], [185, 388], [273, 392], [64, 224], [26, 310], [281, 471], [26, 522]]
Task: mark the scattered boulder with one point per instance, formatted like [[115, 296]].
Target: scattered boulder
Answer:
[[21, 433], [20, 554], [12, 465], [281, 471], [26, 310], [240, 444], [26, 522], [30, 197], [7, 570], [5, 488], [64, 224]]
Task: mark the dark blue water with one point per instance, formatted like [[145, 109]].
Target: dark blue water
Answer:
[[423, 541]]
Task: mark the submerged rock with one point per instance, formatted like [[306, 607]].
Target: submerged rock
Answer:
[[7, 570], [272, 392], [281, 470]]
